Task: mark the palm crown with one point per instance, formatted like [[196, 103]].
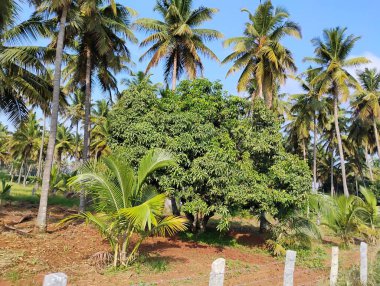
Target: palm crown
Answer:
[[178, 39], [260, 54]]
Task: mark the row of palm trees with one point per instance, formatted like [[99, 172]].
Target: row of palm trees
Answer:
[[90, 37], [25, 148]]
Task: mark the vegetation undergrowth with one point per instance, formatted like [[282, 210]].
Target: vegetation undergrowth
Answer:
[[210, 237]]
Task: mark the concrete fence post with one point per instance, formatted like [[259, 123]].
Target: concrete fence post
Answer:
[[290, 263], [55, 279], [334, 265], [217, 272], [363, 263]]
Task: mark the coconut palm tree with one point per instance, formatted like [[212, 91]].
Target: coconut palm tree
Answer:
[[101, 51], [25, 143], [99, 139], [178, 38], [65, 144], [59, 8], [75, 113], [332, 55], [126, 203], [100, 133], [310, 112], [4, 142], [259, 52], [367, 102]]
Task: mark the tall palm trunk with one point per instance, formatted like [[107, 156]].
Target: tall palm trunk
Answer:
[[315, 156], [368, 162], [340, 147], [268, 97], [11, 172], [42, 210], [86, 125], [304, 149], [377, 137], [27, 174], [77, 141], [174, 76], [39, 167], [332, 172], [20, 173]]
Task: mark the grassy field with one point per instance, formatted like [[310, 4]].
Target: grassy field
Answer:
[[21, 194]]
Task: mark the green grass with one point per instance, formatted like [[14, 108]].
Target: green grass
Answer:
[[13, 275], [210, 237], [22, 194], [312, 258]]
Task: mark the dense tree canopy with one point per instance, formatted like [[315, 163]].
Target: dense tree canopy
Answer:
[[227, 159]]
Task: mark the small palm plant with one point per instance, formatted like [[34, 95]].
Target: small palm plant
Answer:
[[293, 231], [126, 205], [5, 189], [369, 213], [341, 216]]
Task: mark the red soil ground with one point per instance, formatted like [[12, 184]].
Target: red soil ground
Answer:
[[25, 259]]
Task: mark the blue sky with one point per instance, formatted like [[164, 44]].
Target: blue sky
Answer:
[[360, 17]]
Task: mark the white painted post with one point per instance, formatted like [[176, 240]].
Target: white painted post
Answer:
[[334, 265], [55, 279], [363, 263], [289, 267], [217, 272]]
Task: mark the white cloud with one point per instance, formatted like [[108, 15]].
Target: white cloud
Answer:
[[374, 63]]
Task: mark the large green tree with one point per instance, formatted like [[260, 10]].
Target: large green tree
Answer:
[[332, 55], [226, 159], [178, 38], [260, 53]]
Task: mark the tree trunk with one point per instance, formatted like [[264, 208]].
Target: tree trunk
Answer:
[[27, 175], [39, 167], [174, 76], [315, 156], [20, 173], [332, 173], [268, 98], [42, 210], [175, 209], [369, 165], [77, 143], [263, 222], [357, 186], [198, 222], [377, 137], [86, 125], [340, 147], [304, 149], [11, 173]]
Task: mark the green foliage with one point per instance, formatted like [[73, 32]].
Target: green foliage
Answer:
[[21, 194], [178, 38], [228, 156], [347, 216], [125, 204], [211, 237], [260, 54], [294, 231], [5, 190]]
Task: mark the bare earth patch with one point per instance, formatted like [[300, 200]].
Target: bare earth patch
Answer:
[[25, 259]]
